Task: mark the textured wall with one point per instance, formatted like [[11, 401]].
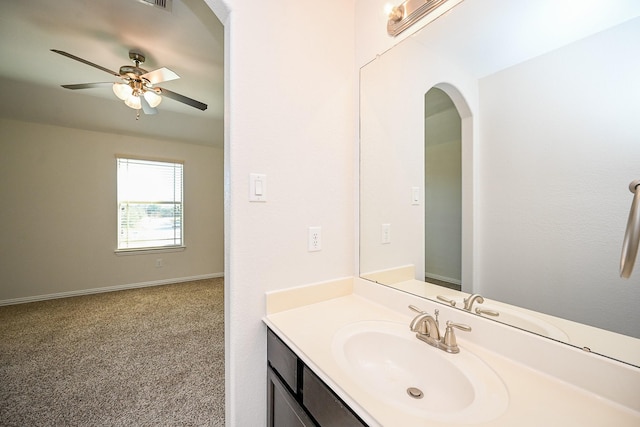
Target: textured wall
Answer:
[[59, 212], [291, 115]]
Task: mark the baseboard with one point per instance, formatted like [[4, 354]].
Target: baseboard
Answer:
[[107, 289], [443, 278]]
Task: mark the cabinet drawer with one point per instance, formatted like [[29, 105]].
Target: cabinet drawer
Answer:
[[323, 405], [283, 360]]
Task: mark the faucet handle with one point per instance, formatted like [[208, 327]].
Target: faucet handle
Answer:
[[482, 311], [416, 309], [451, 302], [460, 326], [449, 342]]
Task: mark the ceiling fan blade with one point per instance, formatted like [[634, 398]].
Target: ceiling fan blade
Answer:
[[146, 108], [160, 75], [84, 61], [87, 85], [181, 98]]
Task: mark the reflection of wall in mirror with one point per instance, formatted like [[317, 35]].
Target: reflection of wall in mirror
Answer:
[[559, 141]]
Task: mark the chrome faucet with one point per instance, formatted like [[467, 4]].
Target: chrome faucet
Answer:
[[427, 329], [468, 305], [425, 324], [468, 301]]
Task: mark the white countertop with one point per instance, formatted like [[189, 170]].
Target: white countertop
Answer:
[[536, 398]]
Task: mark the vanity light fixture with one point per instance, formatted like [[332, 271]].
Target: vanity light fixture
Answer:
[[411, 11]]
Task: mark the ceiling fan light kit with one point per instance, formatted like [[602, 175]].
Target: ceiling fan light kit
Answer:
[[137, 90], [152, 98], [122, 90]]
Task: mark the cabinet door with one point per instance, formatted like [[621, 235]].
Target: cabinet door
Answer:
[[283, 409], [282, 360], [327, 408]]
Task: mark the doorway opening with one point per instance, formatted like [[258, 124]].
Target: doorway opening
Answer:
[[443, 190]]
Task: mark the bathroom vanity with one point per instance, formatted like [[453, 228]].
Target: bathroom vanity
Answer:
[[296, 395], [344, 349]]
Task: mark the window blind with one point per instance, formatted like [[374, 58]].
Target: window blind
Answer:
[[150, 203]]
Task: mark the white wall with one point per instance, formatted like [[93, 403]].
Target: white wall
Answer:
[[59, 214], [290, 115], [560, 144]]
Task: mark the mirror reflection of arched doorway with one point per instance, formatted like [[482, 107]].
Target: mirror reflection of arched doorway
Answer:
[[443, 190]]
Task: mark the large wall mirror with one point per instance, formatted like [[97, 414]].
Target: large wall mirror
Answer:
[[547, 96]]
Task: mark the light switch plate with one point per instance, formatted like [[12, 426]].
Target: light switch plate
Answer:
[[415, 195], [257, 187]]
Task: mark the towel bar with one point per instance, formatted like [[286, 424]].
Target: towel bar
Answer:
[[632, 234]]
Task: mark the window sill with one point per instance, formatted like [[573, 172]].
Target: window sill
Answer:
[[141, 251]]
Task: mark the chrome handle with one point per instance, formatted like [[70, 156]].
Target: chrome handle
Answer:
[[416, 309], [449, 342], [487, 312], [451, 302], [632, 234], [460, 326]]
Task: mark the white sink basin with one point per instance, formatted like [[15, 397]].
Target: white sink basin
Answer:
[[386, 359]]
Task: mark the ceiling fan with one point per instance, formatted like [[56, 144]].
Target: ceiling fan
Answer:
[[137, 89]]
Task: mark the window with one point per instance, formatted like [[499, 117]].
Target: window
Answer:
[[150, 203]]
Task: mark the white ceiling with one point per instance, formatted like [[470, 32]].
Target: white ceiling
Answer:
[[187, 40], [515, 31]]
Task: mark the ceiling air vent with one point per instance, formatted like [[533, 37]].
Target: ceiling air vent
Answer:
[[160, 4]]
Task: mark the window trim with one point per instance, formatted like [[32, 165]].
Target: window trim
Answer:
[[149, 249], [135, 251]]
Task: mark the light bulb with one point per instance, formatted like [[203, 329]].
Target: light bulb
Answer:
[[122, 90], [133, 101], [152, 98], [396, 14], [388, 8]]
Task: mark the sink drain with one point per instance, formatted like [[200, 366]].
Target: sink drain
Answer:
[[414, 392]]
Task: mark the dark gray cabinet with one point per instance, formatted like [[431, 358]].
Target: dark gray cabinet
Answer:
[[296, 397], [284, 410]]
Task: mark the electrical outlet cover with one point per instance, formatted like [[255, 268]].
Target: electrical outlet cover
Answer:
[[315, 239]]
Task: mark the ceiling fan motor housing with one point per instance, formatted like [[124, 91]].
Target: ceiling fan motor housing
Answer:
[[137, 57], [134, 71]]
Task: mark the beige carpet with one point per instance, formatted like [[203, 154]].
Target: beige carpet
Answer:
[[142, 357]]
